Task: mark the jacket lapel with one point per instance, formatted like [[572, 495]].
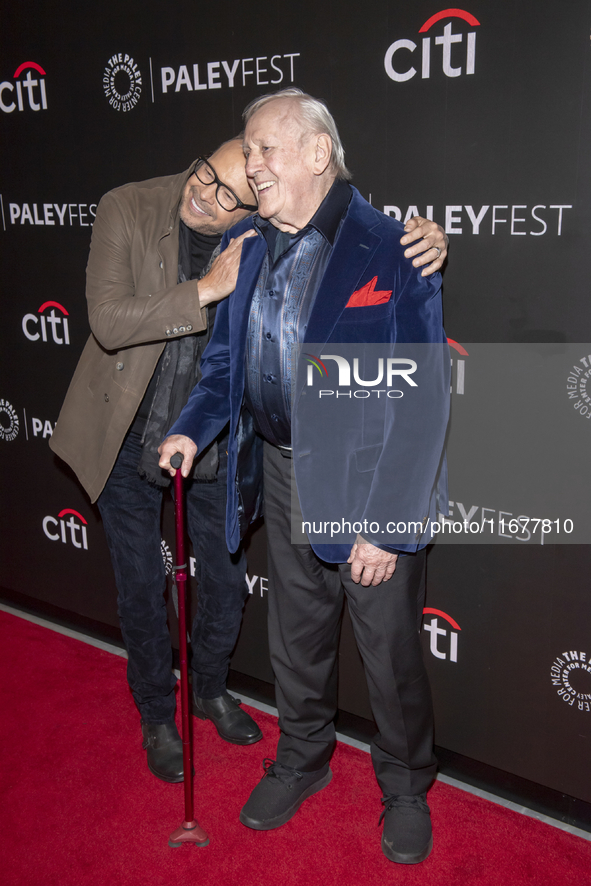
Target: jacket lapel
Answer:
[[168, 242], [353, 251], [253, 254]]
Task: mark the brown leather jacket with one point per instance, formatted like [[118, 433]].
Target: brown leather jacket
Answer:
[[135, 305]]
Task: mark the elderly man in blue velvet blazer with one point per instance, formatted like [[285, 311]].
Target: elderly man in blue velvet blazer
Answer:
[[326, 267]]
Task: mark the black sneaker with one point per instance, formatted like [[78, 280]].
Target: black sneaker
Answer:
[[407, 836], [280, 793]]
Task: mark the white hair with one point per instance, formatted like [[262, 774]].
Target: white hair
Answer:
[[316, 119]]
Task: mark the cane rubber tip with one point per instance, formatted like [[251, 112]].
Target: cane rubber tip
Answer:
[[194, 835], [190, 843]]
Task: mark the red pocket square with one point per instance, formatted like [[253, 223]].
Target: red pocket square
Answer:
[[369, 295]]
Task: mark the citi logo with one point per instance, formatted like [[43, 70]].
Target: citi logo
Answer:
[[67, 531], [35, 325], [395, 367], [396, 61], [26, 92], [458, 376], [449, 648]]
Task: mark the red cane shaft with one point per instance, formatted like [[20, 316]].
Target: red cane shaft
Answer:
[[181, 582]]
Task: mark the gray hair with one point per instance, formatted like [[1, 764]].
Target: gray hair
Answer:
[[316, 119]]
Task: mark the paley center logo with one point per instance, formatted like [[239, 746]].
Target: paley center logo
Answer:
[[122, 82], [576, 386], [25, 93], [166, 556], [573, 668], [35, 325], [9, 423], [449, 648], [71, 531], [399, 68]]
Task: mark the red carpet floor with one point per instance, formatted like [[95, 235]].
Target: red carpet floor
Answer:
[[78, 805]]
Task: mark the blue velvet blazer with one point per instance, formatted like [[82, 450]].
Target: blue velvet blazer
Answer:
[[367, 246]]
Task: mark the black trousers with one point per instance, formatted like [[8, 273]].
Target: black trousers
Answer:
[[131, 510], [306, 598]]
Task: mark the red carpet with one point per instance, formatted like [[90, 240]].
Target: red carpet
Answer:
[[80, 807]]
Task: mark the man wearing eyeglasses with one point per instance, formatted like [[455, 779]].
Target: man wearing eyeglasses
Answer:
[[154, 277]]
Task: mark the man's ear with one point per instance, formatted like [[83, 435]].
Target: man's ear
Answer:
[[322, 153]]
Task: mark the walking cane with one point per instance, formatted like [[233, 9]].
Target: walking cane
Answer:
[[189, 831]]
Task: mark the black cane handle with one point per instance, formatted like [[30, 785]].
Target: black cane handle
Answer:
[[176, 460]]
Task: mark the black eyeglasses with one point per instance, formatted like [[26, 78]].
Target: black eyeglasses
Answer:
[[224, 195]]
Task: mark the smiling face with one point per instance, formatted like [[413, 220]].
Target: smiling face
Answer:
[[286, 166], [199, 208]]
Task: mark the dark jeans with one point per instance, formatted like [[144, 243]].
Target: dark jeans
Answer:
[[131, 510]]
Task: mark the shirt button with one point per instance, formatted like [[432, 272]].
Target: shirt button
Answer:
[[106, 398], [161, 265], [269, 336], [271, 293], [275, 417], [269, 378], [119, 366]]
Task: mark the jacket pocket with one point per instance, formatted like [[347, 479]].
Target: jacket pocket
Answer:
[[367, 313]]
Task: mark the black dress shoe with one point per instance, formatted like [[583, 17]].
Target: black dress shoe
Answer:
[[165, 750], [280, 793], [232, 723], [407, 836]]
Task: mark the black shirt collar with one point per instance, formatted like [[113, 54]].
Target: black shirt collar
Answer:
[[328, 216], [325, 220]]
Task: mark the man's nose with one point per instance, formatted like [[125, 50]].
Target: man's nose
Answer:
[[208, 192], [253, 164]]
